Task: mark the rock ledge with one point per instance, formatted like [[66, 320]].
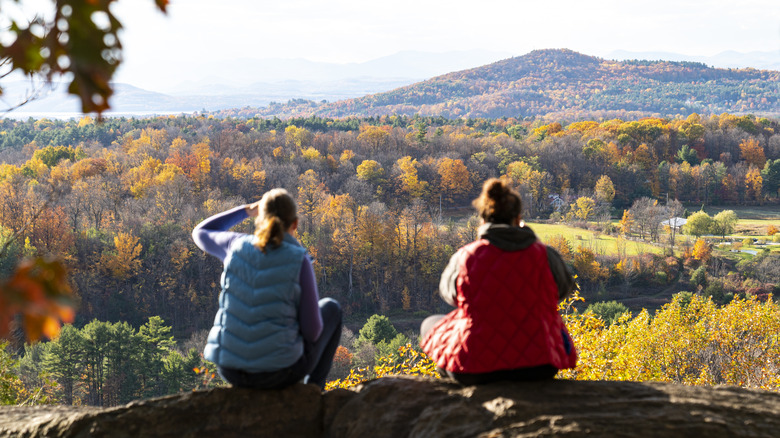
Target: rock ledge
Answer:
[[418, 407]]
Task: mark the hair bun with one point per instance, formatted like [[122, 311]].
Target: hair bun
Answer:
[[496, 189], [498, 202]]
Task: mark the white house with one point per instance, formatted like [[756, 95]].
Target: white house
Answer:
[[676, 222]]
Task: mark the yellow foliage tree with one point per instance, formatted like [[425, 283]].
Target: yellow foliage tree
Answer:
[[297, 137], [409, 362], [311, 192], [587, 266], [529, 180], [562, 245], [583, 207], [346, 155], [311, 154], [702, 250], [124, 261], [605, 190], [627, 222], [408, 178], [370, 170], [375, 136]]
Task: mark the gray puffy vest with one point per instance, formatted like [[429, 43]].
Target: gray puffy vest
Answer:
[[256, 328]]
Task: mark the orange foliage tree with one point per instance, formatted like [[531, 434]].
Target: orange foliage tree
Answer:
[[753, 153], [455, 179], [753, 184]]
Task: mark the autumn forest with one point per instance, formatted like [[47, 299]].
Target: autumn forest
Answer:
[[383, 202]]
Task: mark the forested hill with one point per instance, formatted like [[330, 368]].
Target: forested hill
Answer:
[[563, 83]]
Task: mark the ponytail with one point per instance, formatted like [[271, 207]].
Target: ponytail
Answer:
[[269, 232], [277, 214]]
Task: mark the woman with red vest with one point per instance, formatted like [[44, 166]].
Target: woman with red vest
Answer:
[[505, 288]]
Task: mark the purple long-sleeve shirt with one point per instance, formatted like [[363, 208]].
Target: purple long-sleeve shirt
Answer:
[[212, 236]]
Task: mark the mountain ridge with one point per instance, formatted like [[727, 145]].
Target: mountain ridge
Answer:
[[562, 81]]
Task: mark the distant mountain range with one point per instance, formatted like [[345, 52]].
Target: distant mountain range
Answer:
[[473, 83], [258, 82], [257, 74]]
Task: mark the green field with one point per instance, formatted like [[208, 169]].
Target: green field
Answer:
[[753, 222], [597, 242]]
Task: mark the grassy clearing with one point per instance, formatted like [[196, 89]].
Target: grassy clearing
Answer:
[[755, 227], [596, 242], [764, 212]]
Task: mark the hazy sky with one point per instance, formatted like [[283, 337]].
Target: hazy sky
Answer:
[[197, 31], [356, 30]]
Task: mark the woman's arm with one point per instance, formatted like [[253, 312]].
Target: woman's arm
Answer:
[[309, 317], [447, 284], [212, 236], [561, 273]]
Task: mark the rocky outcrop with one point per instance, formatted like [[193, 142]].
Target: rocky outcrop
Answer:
[[417, 407]]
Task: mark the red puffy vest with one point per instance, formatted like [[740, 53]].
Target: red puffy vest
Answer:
[[506, 316]]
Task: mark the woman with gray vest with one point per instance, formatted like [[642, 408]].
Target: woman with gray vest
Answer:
[[271, 329]]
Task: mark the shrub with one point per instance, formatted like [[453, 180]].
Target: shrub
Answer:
[[607, 311], [690, 341], [699, 276], [389, 348], [421, 313], [771, 230], [407, 361], [342, 363], [717, 292], [684, 298]]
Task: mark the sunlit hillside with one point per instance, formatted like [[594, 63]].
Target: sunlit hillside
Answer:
[[563, 83]]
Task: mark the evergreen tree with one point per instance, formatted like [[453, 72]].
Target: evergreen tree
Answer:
[[377, 329], [771, 177], [177, 371], [96, 337], [11, 388], [123, 364], [156, 342], [64, 361]]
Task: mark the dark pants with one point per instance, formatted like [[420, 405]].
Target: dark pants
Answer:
[[541, 372], [312, 367]]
